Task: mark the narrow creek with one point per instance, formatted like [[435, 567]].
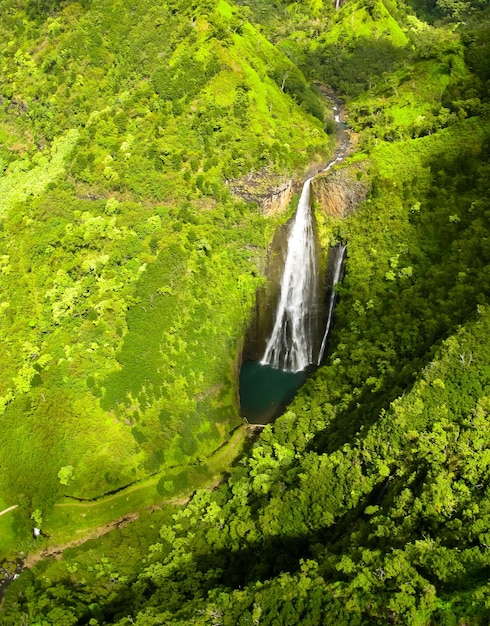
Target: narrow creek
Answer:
[[288, 335]]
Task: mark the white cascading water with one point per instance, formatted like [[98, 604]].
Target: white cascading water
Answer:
[[290, 346], [339, 260], [292, 342]]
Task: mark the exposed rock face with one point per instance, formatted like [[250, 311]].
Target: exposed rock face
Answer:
[[278, 200], [270, 192], [267, 295], [339, 192]]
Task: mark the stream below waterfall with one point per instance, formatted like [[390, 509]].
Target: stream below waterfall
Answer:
[[288, 335]]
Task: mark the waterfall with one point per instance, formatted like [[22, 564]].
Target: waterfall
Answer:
[[293, 343], [337, 272], [290, 346]]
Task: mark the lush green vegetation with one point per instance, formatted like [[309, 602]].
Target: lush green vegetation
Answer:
[[128, 288], [127, 267]]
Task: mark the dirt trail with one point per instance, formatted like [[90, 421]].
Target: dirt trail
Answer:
[[58, 550], [10, 508], [228, 449]]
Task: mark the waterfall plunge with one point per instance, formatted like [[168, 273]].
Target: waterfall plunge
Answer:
[[290, 346]]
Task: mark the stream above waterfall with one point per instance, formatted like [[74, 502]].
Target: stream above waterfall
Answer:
[[287, 338]]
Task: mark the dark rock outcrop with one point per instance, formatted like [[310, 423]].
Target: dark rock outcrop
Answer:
[[271, 192]]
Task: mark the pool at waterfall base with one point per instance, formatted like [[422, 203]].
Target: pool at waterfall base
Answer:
[[266, 391]]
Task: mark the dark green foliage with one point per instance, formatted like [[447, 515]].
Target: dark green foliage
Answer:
[[357, 66], [292, 82], [186, 78], [454, 10]]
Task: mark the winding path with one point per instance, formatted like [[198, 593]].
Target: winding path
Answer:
[[218, 463], [10, 508]]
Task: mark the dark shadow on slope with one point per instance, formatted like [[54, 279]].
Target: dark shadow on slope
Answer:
[[262, 561], [450, 278], [228, 569], [354, 66]]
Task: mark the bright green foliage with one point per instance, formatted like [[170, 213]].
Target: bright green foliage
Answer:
[[368, 20], [26, 179], [127, 268], [65, 474], [367, 502]]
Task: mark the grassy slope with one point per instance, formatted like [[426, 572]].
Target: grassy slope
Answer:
[[72, 521], [127, 268]]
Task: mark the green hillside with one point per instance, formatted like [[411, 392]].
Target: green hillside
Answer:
[[128, 268], [128, 274]]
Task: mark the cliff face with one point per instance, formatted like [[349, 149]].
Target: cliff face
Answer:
[[271, 193], [338, 192], [278, 200]]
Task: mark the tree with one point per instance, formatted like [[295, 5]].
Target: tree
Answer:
[[65, 474]]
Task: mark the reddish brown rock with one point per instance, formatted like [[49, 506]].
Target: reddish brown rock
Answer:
[[339, 192]]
